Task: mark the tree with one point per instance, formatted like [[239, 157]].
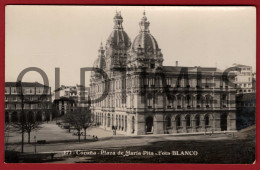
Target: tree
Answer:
[[31, 124], [7, 133], [74, 121], [79, 120], [85, 120], [27, 124]]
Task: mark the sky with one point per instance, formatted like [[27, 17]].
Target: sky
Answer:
[[68, 37]]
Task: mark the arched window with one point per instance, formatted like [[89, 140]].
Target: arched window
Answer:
[[125, 123], [168, 122], [187, 118], [208, 101], [108, 120], [206, 120], [224, 100], [14, 117], [179, 101], [199, 101], [119, 121], [197, 120], [188, 101], [133, 124], [178, 121], [116, 121], [7, 117]]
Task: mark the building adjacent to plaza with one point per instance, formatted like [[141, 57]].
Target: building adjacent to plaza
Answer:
[[70, 98], [245, 79], [142, 96], [34, 102]]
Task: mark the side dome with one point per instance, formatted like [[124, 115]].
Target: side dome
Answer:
[[119, 38], [100, 61], [144, 40]]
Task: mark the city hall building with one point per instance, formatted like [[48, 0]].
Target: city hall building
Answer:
[[142, 96]]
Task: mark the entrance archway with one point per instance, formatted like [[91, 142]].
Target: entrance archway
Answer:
[[47, 118], [14, 117], [149, 125], [7, 117], [39, 116], [30, 116], [223, 122]]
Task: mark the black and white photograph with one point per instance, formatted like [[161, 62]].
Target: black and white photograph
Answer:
[[130, 84]]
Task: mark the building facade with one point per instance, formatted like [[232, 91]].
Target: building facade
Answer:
[[244, 80], [139, 95], [34, 102], [71, 98], [66, 100]]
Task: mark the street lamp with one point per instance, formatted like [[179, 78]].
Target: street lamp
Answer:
[[35, 144]]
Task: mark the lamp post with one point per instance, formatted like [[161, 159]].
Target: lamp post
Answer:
[[35, 144]]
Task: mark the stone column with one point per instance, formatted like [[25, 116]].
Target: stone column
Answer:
[[231, 121], [50, 116], [203, 127], [183, 123], [158, 124], [139, 125], [174, 126], [217, 122], [193, 124]]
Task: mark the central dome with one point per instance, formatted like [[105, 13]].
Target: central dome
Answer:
[[144, 39], [118, 37]]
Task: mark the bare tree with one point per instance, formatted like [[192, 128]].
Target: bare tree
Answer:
[[27, 124], [7, 133], [79, 120], [72, 118], [85, 120], [31, 124]]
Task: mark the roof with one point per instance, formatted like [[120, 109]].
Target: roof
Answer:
[[240, 65], [24, 84], [191, 69]]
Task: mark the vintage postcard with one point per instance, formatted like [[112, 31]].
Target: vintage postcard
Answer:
[[130, 84]]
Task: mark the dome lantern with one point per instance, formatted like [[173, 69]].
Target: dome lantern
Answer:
[[118, 20], [144, 24]]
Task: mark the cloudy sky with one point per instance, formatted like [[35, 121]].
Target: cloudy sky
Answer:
[[68, 37]]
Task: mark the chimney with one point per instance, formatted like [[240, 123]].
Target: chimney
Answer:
[[176, 63]]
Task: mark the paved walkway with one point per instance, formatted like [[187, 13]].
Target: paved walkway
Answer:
[[59, 139], [52, 132]]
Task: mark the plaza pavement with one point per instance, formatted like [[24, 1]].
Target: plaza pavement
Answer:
[[59, 139]]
